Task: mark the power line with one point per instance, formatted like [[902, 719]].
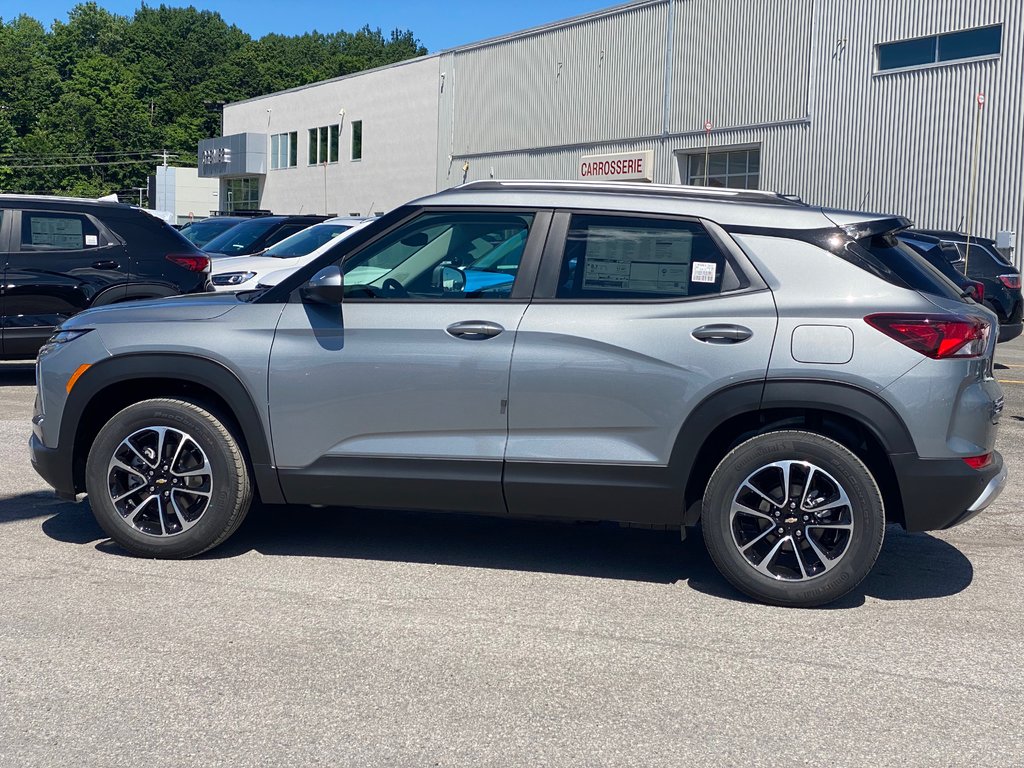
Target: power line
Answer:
[[75, 155], [89, 164]]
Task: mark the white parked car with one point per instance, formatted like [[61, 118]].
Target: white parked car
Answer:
[[239, 273]]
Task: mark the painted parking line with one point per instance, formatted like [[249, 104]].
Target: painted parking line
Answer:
[[1009, 381]]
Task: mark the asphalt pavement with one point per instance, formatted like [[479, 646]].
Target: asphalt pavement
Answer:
[[345, 637]]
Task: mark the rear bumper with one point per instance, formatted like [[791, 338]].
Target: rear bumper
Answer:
[[941, 493], [1009, 331], [53, 466]]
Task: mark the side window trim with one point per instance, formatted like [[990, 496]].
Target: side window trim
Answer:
[[739, 278], [7, 216]]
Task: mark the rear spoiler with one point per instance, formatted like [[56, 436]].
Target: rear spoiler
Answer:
[[857, 227]]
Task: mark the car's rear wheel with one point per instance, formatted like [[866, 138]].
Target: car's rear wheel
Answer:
[[166, 478], [793, 518]]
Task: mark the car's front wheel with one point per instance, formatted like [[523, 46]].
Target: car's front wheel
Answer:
[[793, 518], [167, 478]]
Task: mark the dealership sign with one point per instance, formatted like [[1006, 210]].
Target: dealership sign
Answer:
[[621, 166]]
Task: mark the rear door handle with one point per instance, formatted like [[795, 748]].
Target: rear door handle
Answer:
[[722, 334], [474, 330], [110, 264]]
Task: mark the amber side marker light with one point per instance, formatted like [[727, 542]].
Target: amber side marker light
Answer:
[[76, 375]]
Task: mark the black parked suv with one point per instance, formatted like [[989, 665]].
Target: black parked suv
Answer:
[[199, 233], [62, 255], [258, 234], [1000, 279]]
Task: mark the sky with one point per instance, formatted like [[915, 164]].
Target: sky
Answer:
[[438, 24]]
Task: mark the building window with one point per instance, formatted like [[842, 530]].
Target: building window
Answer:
[[242, 194], [323, 144], [284, 150], [737, 168], [948, 48], [357, 139], [335, 140]]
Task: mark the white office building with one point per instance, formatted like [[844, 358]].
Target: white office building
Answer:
[[911, 107]]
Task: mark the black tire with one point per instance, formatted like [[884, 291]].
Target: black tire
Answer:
[[202, 470], [778, 548]]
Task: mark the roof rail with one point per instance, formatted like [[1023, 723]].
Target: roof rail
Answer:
[[643, 188]]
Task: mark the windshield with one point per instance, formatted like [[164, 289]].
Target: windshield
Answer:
[[199, 233], [306, 241], [238, 238]]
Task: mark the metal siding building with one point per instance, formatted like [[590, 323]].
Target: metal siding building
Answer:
[[793, 83]]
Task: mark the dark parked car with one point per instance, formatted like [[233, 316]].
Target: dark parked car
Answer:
[[255, 235], [942, 256], [999, 277], [199, 233], [63, 255]]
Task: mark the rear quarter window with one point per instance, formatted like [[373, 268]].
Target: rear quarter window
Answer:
[[897, 263]]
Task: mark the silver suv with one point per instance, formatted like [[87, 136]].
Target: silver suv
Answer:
[[791, 378]]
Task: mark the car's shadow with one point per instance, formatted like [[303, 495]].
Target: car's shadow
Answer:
[[910, 567], [18, 374]]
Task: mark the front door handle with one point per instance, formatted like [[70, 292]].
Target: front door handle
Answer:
[[474, 330], [722, 334], [109, 264]]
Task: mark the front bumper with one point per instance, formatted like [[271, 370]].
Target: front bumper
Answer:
[[53, 466], [941, 493]]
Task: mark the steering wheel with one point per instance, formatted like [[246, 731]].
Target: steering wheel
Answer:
[[391, 288]]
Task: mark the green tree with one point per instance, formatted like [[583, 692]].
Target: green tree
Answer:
[[29, 76], [99, 86]]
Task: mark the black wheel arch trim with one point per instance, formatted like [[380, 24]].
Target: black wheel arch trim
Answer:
[[756, 398], [849, 400], [176, 367]]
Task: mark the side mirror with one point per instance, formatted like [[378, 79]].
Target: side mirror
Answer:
[[451, 280], [325, 287]]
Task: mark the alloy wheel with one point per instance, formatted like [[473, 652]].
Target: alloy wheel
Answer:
[[160, 481], [791, 520]]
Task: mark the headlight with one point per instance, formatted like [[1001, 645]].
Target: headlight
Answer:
[[62, 337], [232, 278]]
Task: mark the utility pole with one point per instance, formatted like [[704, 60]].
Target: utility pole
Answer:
[[980, 98], [707, 148]]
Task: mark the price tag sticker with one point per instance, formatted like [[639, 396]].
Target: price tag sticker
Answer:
[[703, 272]]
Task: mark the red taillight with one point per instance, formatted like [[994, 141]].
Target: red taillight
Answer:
[[191, 262], [1010, 281], [978, 462], [935, 336], [979, 291]]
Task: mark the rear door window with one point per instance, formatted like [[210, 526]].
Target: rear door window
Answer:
[[58, 232], [638, 258]]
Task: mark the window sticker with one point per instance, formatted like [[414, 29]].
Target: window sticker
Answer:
[[56, 232], [703, 272], [92, 240], [651, 260]]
